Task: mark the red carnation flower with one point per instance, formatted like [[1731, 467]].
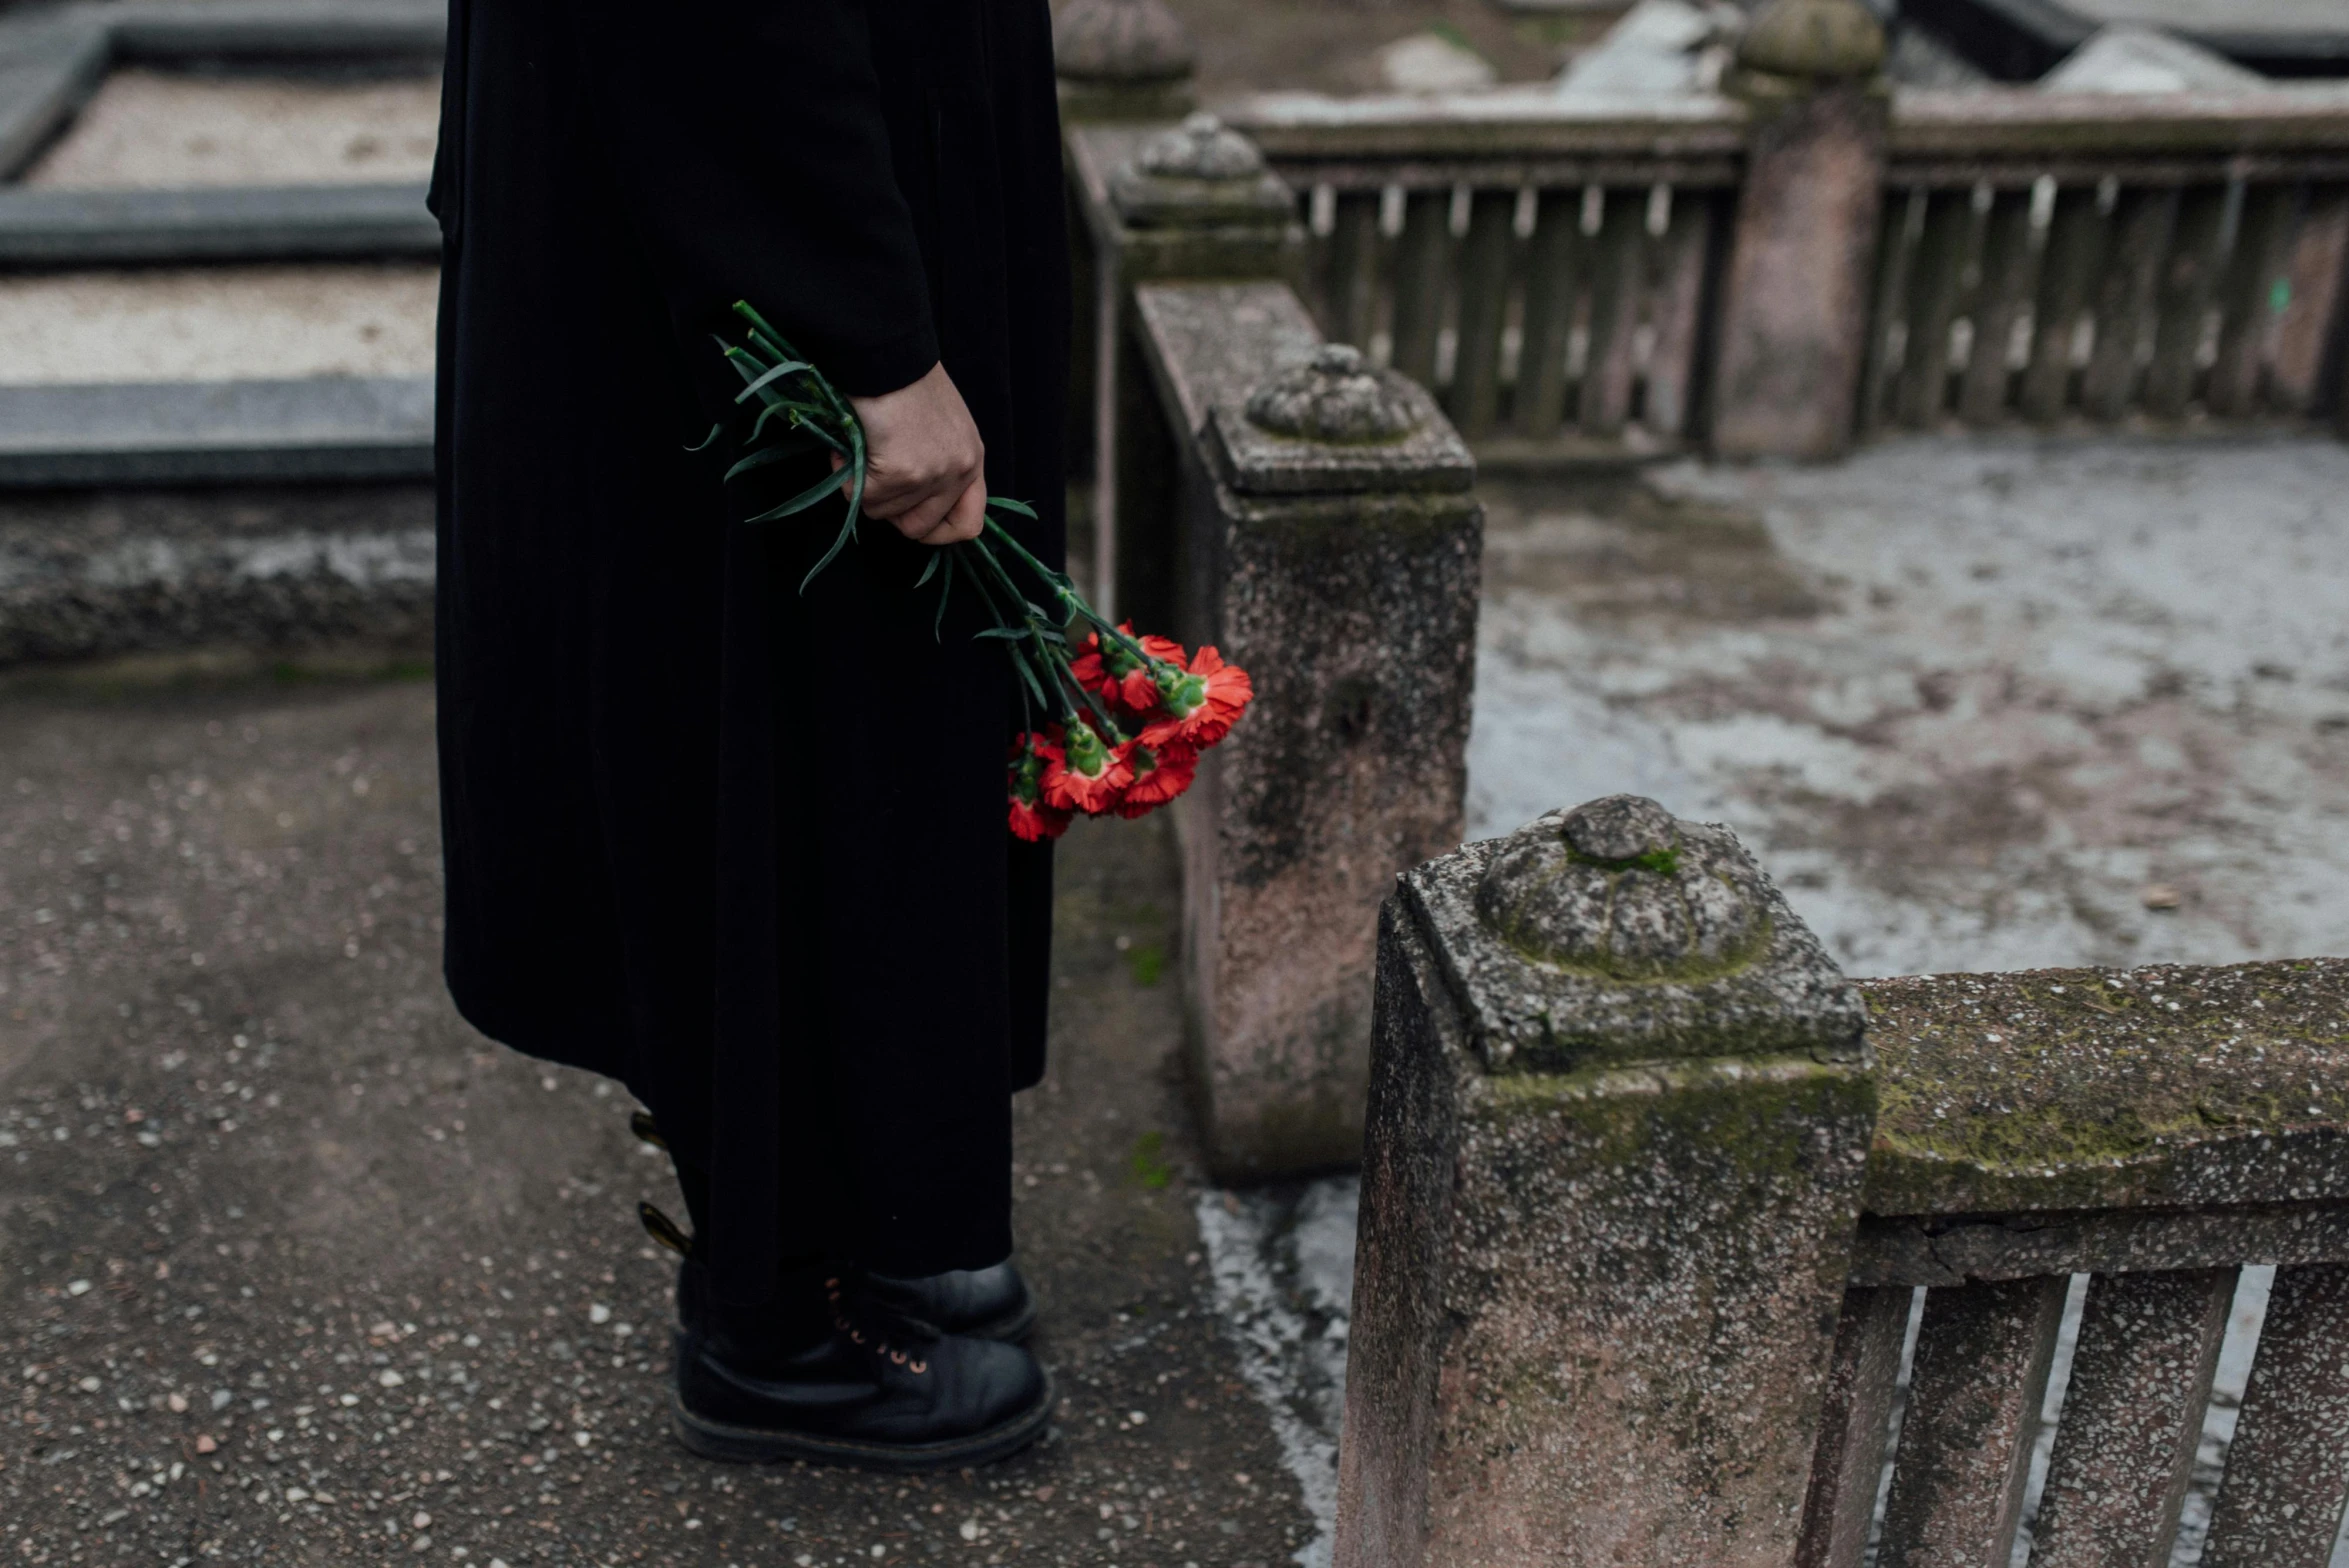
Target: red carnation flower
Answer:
[[1159, 776], [1085, 774], [1139, 692], [1202, 704], [1032, 820], [1104, 668]]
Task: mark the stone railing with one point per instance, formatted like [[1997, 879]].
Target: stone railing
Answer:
[[1649, 1189], [1806, 257], [2094, 257], [1310, 515], [1544, 267]]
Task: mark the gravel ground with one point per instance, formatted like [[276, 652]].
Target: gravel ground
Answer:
[[298, 1269]]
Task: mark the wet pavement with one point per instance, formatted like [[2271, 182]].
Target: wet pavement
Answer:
[[1976, 703]]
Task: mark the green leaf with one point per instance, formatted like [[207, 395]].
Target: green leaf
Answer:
[[772, 374], [805, 499], [856, 500], [930, 570], [762, 457], [938, 621], [703, 445], [1009, 505]]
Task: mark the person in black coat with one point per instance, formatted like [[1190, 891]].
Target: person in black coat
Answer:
[[741, 846]]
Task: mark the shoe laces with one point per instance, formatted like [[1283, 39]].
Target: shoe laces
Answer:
[[881, 1331]]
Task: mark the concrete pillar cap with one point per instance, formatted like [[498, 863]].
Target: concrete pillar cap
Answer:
[[1201, 148], [1821, 39], [1127, 42], [1616, 888], [1336, 397]]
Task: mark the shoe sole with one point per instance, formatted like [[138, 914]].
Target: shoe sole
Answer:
[[757, 1446]]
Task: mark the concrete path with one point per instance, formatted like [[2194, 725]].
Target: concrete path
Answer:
[[295, 1268], [1976, 703]]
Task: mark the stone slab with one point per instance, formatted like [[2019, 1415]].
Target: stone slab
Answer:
[[50, 61], [216, 321], [48, 64], [68, 228], [288, 31], [2168, 1086], [153, 572], [329, 428], [155, 127]]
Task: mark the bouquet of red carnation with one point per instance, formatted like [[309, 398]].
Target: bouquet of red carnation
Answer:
[[1123, 718]]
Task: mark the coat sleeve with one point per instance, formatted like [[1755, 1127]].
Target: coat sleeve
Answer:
[[754, 159]]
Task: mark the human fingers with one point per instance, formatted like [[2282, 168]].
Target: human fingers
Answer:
[[925, 516], [967, 517]]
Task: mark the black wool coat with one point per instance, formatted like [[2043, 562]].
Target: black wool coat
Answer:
[[741, 847]]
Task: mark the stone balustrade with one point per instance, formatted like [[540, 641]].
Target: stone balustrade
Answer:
[[1649, 1191]]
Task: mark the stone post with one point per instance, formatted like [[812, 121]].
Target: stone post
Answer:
[[1620, 1109], [1795, 302], [1193, 200], [1327, 541], [1122, 60]]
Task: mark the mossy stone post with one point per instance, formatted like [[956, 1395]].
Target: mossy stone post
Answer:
[[1795, 303], [1191, 200], [1620, 1109], [1328, 541]]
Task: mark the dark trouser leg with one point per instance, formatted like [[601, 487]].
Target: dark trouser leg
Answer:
[[895, 1130]]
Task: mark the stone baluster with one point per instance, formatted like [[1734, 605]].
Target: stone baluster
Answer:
[[1192, 200], [1620, 1110], [1325, 538], [1794, 313]]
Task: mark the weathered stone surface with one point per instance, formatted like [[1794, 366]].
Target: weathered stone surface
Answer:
[[1593, 1307], [316, 428], [1337, 398], [1915, 1250], [1197, 174], [1238, 363], [251, 223], [1353, 606], [2162, 1087], [1256, 237], [1125, 42], [2280, 1505], [1795, 300], [1563, 961], [1975, 1393], [1833, 39], [2132, 1419], [94, 574], [1840, 1509], [1201, 148]]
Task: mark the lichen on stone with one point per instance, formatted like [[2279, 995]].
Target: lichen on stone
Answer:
[[2084, 1088]]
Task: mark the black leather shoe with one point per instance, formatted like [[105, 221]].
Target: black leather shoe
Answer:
[[877, 1389], [991, 1303]]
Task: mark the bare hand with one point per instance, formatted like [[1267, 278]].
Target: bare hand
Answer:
[[925, 466]]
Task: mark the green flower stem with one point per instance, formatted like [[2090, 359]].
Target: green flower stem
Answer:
[[1065, 591]]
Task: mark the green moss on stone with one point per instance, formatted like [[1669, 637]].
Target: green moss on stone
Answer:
[[2081, 1088]]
